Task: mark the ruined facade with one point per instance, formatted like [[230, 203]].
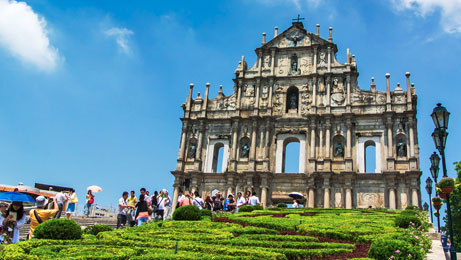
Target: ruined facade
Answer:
[[297, 91]]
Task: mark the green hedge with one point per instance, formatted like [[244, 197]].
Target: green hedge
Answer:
[[189, 212], [62, 229], [281, 205], [96, 229], [248, 208]]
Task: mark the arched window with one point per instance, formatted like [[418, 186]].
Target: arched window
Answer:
[[292, 100], [218, 157], [370, 157], [291, 155]]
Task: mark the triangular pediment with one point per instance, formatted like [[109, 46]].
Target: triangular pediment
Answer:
[[295, 36]]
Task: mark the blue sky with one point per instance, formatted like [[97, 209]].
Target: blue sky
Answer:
[[90, 91]]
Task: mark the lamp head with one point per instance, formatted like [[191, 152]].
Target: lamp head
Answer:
[[440, 117]]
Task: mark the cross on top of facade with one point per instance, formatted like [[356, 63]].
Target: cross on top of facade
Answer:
[[297, 20]]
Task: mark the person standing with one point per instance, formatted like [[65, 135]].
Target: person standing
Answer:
[[61, 198], [295, 204], [41, 214], [71, 205], [15, 218], [180, 197], [247, 197], [253, 200], [229, 203], [3, 207], [208, 203], [186, 201], [217, 202], [240, 200], [123, 208], [154, 204], [198, 202], [160, 205], [89, 203], [142, 214], [167, 206]]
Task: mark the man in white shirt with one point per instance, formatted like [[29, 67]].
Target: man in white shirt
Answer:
[[240, 200], [253, 200], [198, 202], [60, 200], [123, 210]]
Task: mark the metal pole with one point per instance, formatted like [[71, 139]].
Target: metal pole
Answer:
[[450, 226], [430, 205], [438, 212]]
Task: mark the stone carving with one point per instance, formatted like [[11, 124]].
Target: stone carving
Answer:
[[322, 59], [337, 94], [293, 101], [307, 41], [278, 104], [366, 199], [267, 62], [362, 98], [226, 103], [304, 65], [381, 99], [279, 88], [403, 200], [265, 92], [338, 200], [401, 148], [282, 64], [295, 37], [339, 150], [283, 43], [305, 103]]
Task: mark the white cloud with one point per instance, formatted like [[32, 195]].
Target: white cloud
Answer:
[[23, 34], [121, 36], [297, 3], [450, 11]]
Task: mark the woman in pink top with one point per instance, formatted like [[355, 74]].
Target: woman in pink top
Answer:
[[142, 213]]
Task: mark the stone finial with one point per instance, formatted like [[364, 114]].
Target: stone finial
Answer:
[[388, 75], [353, 59], [317, 30], [276, 31], [264, 39], [208, 84], [330, 36], [191, 85], [388, 90], [348, 56], [198, 96], [373, 85], [398, 88]]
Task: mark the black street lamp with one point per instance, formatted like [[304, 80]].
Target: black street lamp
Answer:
[[435, 161], [429, 191], [440, 117]]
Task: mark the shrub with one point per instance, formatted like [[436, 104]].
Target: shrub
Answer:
[[409, 212], [248, 208], [446, 182], [436, 199], [383, 249], [60, 229], [205, 212], [95, 229], [404, 220], [189, 212], [281, 205], [411, 207]]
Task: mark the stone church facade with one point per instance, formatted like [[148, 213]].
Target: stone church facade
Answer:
[[297, 91]]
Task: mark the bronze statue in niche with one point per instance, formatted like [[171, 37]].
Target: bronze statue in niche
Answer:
[[339, 150], [401, 148]]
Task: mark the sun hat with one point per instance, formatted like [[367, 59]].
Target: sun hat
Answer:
[[41, 201]]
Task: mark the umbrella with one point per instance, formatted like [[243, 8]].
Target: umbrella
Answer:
[[94, 188], [16, 196], [296, 195]]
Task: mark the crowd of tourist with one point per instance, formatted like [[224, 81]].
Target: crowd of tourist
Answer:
[[136, 211]]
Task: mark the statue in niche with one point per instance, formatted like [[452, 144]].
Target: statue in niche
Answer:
[[401, 148], [244, 150], [293, 101], [192, 149], [294, 64], [339, 150]]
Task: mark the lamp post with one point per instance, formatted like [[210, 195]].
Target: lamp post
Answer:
[[440, 116], [435, 160], [429, 191]]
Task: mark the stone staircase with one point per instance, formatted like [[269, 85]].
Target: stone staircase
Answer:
[[83, 222]]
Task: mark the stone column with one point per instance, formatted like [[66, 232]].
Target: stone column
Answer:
[[205, 101], [267, 147], [328, 91], [388, 93], [414, 197], [326, 197], [264, 195], [389, 138], [312, 153], [175, 198], [258, 87], [348, 198], [314, 91], [411, 137], [329, 59], [179, 165], [320, 151], [234, 146], [273, 62], [261, 152], [392, 204], [315, 59], [271, 85], [311, 201], [229, 190], [349, 140], [348, 96], [327, 138], [239, 92], [253, 146]]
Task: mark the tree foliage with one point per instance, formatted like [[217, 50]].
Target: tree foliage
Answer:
[[455, 203]]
